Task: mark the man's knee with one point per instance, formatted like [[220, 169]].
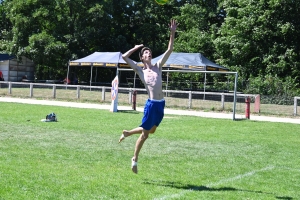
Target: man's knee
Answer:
[[145, 136]]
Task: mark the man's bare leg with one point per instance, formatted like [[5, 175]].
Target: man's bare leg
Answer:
[[138, 146], [134, 131], [129, 133]]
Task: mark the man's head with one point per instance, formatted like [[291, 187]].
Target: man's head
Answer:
[[145, 53]]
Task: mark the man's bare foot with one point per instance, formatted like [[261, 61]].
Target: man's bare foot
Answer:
[[134, 166], [123, 136]]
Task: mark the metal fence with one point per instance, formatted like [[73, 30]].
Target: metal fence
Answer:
[[193, 100]]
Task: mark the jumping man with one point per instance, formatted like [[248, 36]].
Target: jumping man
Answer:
[[151, 76]]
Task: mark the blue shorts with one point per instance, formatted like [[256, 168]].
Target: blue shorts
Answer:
[[153, 113]]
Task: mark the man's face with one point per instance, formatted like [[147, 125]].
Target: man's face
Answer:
[[147, 55]]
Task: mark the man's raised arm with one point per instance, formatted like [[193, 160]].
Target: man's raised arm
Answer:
[[126, 56], [173, 26]]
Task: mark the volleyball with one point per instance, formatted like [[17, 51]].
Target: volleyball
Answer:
[[161, 2]]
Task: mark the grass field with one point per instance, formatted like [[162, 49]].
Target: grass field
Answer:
[[188, 157]]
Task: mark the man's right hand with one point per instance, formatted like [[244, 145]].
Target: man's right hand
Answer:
[[138, 46]]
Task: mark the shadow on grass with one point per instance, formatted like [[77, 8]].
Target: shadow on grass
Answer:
[[129, 111], [240, 119], [204, 188]]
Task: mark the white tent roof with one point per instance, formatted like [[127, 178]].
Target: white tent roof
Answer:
[[192, 61], [100, 59]]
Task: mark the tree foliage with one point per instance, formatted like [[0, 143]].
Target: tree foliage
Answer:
[[259, 39]]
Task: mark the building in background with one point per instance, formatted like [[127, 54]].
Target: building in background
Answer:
[[14, 70]]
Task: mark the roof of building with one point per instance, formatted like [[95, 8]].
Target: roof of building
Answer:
[[6, 57]]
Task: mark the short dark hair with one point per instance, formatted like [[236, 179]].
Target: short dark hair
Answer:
[[142, 51]]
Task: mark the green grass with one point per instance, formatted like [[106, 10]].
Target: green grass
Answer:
[[188, 157]]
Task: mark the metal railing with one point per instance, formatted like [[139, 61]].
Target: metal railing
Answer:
[[188, 99]]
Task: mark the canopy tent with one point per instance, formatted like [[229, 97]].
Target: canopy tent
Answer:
[[185, 61], [188, 61], [192, 61], [181, 61], [100, 59]]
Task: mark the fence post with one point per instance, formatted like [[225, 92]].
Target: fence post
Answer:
[[295, 106], [247, 107], [257, 104], [31, 90], [54, 91], [9, 88], [222, 101], [134, 100], [190, 100], [78, 92], [103, 93], [130, 96]]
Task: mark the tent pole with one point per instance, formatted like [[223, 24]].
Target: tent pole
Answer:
[[167, 82], [8, 76], [96, 74], [204, 85], [118, 74], [134, 79], [234, 96], [91, 77], [68, 75]]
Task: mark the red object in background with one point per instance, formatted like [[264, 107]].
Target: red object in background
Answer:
[[134, 100], [247, 110], [1, 76], [67, 81]]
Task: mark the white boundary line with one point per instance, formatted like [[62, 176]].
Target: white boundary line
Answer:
[[172, 195], [238, 177], [288, 168]]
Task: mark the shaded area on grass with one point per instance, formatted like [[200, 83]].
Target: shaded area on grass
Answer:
[[191, 187], [129, 111]]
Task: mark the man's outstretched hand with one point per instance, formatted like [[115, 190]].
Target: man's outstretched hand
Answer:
[[137, 46], [173, 25]]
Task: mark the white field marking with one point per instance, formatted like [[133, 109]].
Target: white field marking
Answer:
[[290, 169], [240, 176], [172, 196], [182, 193]]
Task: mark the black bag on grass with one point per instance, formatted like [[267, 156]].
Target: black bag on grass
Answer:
[[51, 117]]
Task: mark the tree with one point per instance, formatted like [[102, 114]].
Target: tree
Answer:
[[260, 38], [5, 25], [51, 32], [199, 20]]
